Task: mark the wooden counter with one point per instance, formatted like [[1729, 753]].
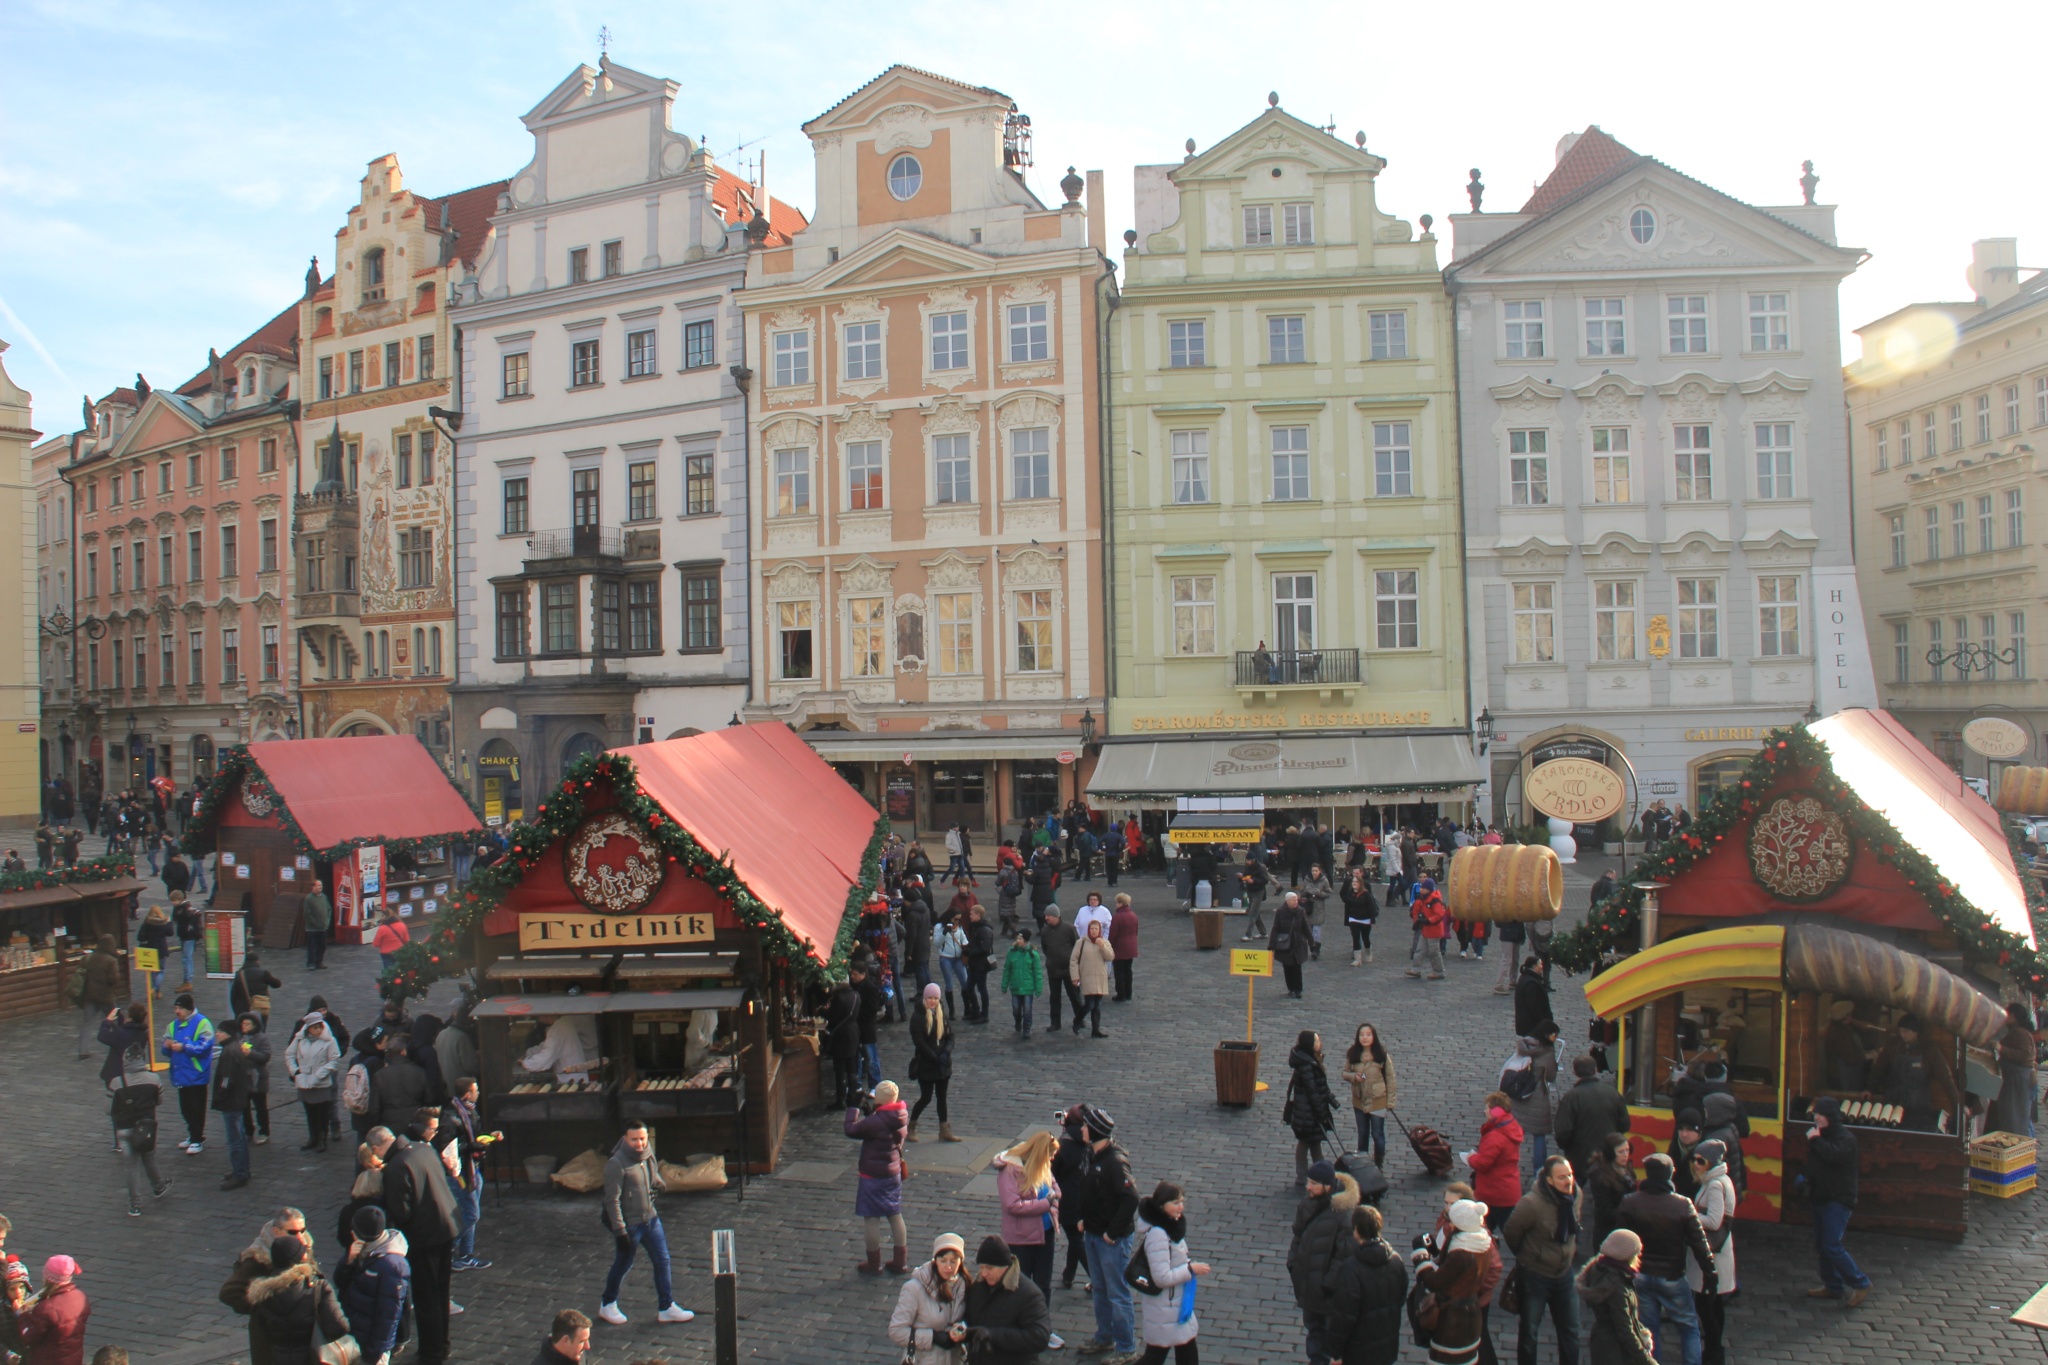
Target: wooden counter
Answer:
[[31, 991], [1913, 1183]]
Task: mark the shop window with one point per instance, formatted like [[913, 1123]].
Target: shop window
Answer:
[[1710, 775], [1034, 789], [1694, 1028]]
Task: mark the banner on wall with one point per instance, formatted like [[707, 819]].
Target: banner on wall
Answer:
[[226, 943], [370, 866]]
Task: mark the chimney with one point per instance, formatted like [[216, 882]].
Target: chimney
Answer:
[[1995, 269], [1565, 144], [1098, 225]]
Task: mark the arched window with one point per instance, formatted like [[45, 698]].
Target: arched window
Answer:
[[372, 273]]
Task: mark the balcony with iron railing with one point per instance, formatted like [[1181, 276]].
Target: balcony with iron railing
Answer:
[[631, 544], [1274, 671]]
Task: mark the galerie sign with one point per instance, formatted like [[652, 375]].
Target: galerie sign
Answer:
[[1576, 789], [540, 932]]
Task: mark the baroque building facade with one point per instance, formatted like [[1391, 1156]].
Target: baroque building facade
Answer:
[[21, 761], [925, 474], [1656, 481], [1948, 411], [602, 552], [375, 612], [1283, 531]]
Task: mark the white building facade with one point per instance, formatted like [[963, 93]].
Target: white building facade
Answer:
[[601, 542], [1655, 471]]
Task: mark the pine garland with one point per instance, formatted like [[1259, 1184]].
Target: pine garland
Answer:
[[105, 868], [237, 763], [1611, 929], [422, 962]]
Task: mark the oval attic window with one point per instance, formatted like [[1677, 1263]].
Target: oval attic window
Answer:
[[905, 175], [1642, 225]]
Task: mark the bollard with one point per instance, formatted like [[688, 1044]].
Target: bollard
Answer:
[[725, 1297]]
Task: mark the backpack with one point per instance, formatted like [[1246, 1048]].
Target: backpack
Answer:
[[1009, 881], [1518, 1078], [355, 1089], [1138, 1272]]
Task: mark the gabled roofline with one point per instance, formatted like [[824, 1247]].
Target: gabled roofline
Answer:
[[904, 67], [1194, 168]]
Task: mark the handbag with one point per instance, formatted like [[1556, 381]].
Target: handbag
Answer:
[[343, 1350], [260, 1004], [1138, 1272], [1511, 1292], [1282, 942]]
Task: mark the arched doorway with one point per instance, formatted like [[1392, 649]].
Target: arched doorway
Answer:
[[580, 745], [497, 773], [361, 727]]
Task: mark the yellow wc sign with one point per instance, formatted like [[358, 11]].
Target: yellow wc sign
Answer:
[[1250, 962]]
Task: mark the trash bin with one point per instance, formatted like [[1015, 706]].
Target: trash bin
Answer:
[[1208, 928], [1237, 1073]]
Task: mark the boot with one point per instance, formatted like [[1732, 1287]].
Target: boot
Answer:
[[1356, 957], [911, 1136], [872, 1265], [946, 1132], [899, 1260], [951, 1013]]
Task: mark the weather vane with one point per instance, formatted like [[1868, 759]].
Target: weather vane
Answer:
[[604, 41]]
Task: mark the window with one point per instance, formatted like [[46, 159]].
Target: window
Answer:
[[2041, 400], [1393, 473], [952, 470], [512, 623], [1190, 466], [313, 567], [270, 656], [355, 371], [1955, 426], [405, 461], [1694, 457], [373, 275], [114, 580], [1187, 344], [792, 483], [266, 547], [390, 363], [1258, 225], [229, 567], [1774, 459], [2015, 519], [1614, 620], [640, 505], [266, 463], [1958, 541], [2016, 625], [1606, 327], [142, 661], [167, 661], [606, 636], [1529, 468], [1029, 336], [516, 382], [1770, 323], [193, 475], [1902, 652], [614, 255], [579, 264], [135, 484], [1898, 540], [518, 506], [1933, 517], [1777, 612], [1987, 631], [1687, 314], [231, 655], [1986, 525], [92, 574], [949, 341], [140, 559], [1905, 443], [416, 557], [1524, 319], [195, 556], [1983, 418], [1294, 612], [1194, 614], [92, 673], [419, 651], [700, 345], [165, 561], [1397, 607], [700, 610], [163, 469], [1286, 340], [1882, 435], [867, 636], [195, 644], [640, 360], [905, 176], [1030, 462], [864, 476], [1534, 610], [327, 376], [1699, 618], [584, 364], [561, 632], [120, 664], [863, 350], [2012, 409], [1388, 333], [1298, 224], [1290, 463], [793, 620], [583, 497], [954, 612], [426, 353], [1927, 446], [1611, 482], [699, 498], [1642, 225], [227, 464], [792, 358], [1034, 630]]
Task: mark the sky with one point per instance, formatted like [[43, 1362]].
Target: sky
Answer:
[[166, 169]]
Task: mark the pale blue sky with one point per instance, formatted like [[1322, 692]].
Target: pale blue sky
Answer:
[[167, 168]]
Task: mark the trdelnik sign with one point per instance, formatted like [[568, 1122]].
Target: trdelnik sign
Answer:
[[1262, 756]]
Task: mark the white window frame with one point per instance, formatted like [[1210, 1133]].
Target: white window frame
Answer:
[[1606, 327], [1613, 466], [1615, 612], [1393, 460], [1258, 225], [1288, 634], [2012, 409], [1033, 636], [1030, 332], [1192, 615], [1987, 532], [1774, 463], [1905, 443], [1770, 322], [1897, 527], [860, 348], [792, 474], [1685, 318], [1288, 453], [1397, 608], [954, 635], [1773, 612], [1699, 618], [867, 641], [1529, 467], [1030, 463], [1534, 609], [796, 616], [1882, 434], [864, 458], [1522, 335], [1190, 470], [947, 334], [1387, 333], [792, 358], [1902, 651], [952, 458], [1298, 224], [1692, 463], [2015, 518], [641, 354], [1931, 517], [1187, 343], [1287, 339], [2016, 630]]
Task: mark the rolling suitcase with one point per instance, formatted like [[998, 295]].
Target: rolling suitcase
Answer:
[[1432, 1149], [1372, 1181]]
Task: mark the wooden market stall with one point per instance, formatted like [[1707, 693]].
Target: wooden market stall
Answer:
[[647, 948], [1848, 882], [50, 923]]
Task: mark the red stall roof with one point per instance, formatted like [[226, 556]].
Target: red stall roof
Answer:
[[795, 832], [364, 787]]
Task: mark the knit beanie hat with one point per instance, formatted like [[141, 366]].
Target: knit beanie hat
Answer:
[[368, 1223], [1621, 1245], [1713, 1151], [1657, 1172], [59, 1270], [949, 1241], [994, 1251], [1323, 1173], [1468, 1215], [286, 1252]]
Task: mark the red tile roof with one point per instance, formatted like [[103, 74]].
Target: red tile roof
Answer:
[[127, 396], [274, 338], [735, 199], [469, 215], [1594, 156]]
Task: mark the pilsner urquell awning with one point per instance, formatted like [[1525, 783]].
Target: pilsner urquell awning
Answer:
[[1310, 767]]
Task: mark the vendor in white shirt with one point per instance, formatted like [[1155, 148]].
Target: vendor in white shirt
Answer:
[[1094, 911], [569, 1050]]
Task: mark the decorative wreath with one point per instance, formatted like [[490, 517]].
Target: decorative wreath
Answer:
[[612, 864], [1799, 849], [258, 801]]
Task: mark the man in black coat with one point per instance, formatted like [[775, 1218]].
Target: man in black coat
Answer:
[[1008, 1322], [1832, 1165], [1532, 999], [1058, 940], [1603, 887], [867, 1023], [418, 1203], [1043, 874], [400, 1088], [1322, 1223], [1587, 1113], [1670, 1228], [842, 1033], [1109, 1215], [1366, 1291], [917, 942]]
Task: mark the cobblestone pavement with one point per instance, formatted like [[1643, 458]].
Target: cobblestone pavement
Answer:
[[152, 1279]]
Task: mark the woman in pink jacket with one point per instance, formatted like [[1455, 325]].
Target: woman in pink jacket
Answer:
[[1031, 1203]]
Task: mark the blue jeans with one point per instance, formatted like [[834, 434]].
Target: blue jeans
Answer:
[[469, 1208], [956, 866], [1113, 1320], [1020, 1010], [871, 1055], [1315, 1329], [237, 1124], [1838, 1269], [186, 948], [1670, 1301], [1556, 1294], [638, 1235], [1372, 1133]]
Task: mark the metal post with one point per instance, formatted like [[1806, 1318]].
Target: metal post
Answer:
[[725, 1294], [1643, 1035]]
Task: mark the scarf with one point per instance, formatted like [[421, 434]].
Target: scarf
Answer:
[[1478, 1243], [1567, 1217], [390, 1240]]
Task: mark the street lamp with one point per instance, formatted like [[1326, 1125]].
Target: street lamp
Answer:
[[291, 727], [1812, 713], [734, 721], [1484, 730], [1088, 729]]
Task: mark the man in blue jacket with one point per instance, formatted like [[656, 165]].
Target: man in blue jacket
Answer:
[[189, 1041]]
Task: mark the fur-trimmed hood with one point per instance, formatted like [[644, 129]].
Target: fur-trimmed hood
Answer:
[[1602, 1278], [1345, 1197], [304, 1273]]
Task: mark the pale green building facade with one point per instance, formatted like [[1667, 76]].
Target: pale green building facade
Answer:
[[1283, 517]]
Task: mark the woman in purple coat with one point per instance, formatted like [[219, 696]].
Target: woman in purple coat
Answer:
[[880, 1198]]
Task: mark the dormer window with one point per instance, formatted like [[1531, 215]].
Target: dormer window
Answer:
[[249, 382], [906, 176], [373, 275]]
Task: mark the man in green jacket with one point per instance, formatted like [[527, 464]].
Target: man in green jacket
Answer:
[[318, 912], [1023, 978]]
